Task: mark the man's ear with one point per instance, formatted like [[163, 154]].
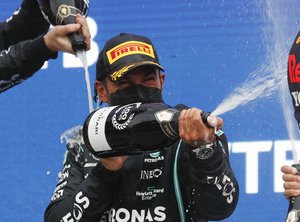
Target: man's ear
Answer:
[[101, 91], [162, 79]]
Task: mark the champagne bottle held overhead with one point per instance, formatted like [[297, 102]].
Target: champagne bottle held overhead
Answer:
[[63, 12], [131, 129]]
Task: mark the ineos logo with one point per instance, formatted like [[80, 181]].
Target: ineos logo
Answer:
[[149, 174], [82, 203], [77, 212], [223, 183]]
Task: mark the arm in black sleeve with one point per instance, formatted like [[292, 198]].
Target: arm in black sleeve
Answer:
[[25, 23], [77, 197], [22, 60], [210, 184], [22, 51]]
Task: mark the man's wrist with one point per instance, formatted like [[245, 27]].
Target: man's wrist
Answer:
[[36, 49], [48, 44]]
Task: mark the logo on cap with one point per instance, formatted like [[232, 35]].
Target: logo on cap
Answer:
[[129, 48], [118, 74]]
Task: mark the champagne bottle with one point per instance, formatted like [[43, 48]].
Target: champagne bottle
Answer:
[[63, 12], [294, 205], [131, 129]]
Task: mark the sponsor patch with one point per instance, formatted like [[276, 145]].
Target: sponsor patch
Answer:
[[155, 154], [81, 203], [154, 159], [136, 215], [293, 69], [296, 97], [219, 132], [224, 184], [150, 174], [150, 193], [129, 48]]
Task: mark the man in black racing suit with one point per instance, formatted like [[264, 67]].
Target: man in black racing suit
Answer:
[[290, 174], [25, 46], [191, 180]]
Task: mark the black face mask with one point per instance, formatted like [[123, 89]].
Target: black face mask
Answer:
[[136, 93]]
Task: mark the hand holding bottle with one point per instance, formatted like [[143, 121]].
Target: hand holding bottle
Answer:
[[57, 39], [64, 12], [193, 131], [292, 191], [113, 163], [291, 181]]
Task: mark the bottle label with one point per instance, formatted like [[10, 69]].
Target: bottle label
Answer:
[[124, 115], [64, 11], [164, 118], [96, 129]]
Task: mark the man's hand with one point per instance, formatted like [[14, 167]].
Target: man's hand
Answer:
[[113, 163], [291, 181], [57, 38], [193, 131]]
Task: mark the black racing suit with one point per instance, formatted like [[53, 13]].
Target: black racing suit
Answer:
[[22, 48], [144, 189], [294, 76]]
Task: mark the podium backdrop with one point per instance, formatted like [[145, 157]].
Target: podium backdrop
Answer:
[[208, 49]]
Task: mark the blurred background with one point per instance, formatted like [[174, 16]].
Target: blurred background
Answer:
[[208, 48]]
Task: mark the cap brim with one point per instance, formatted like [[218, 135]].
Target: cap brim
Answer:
[[118, 74]]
